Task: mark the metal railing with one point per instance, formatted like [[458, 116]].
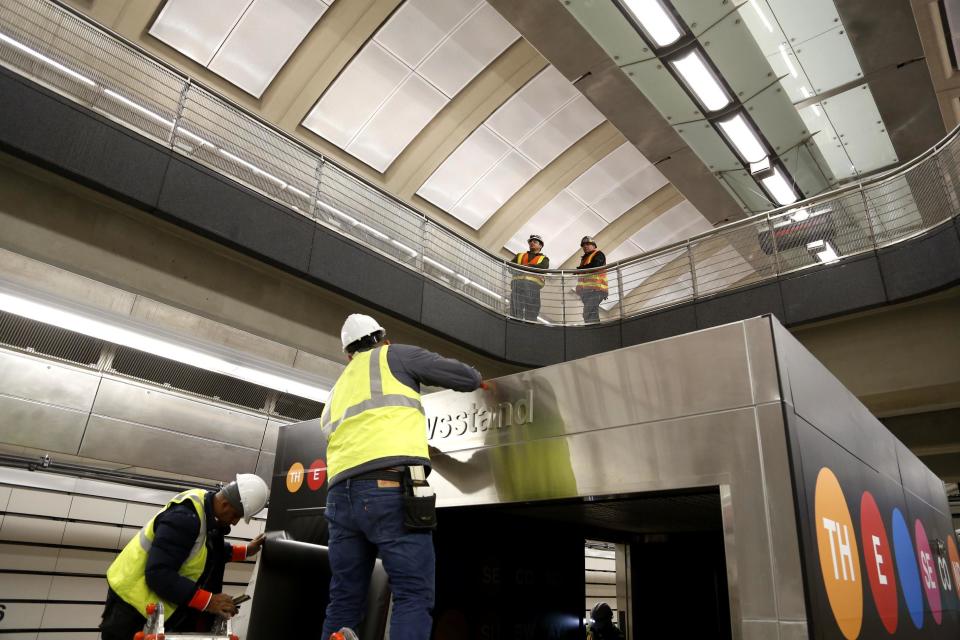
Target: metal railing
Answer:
[[68, 53]]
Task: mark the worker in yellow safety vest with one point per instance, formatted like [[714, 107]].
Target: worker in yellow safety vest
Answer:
[[592, 287], [178, 559], [525, 286], [378, 502]]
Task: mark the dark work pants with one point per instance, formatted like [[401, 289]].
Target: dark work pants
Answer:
[[591, 304], [525, 299], [120, 620]]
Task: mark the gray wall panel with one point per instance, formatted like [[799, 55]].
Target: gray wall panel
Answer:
[[534, 344], [149, 406], [118, 441], [453, 315], [915, 267], [660, 324], [366, 275], [47, 382], [36, 123], [31, 424], [586, 341], [206, 201], [740, 305], [828, 291]]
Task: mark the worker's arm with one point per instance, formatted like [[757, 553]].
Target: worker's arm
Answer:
[[175, 531], [544, 264], [240, 552], [599, 260], [415, 366]]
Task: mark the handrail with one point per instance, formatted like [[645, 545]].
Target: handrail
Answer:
[[61, 48]]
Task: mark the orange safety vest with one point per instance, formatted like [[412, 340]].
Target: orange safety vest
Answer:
[[596, 281], [524, 259]]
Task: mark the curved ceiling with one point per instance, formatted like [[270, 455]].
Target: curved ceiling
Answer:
[[450, 106]]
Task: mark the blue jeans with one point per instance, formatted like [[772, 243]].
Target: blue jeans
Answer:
[[366, 521]]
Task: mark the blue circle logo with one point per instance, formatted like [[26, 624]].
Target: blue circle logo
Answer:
[[907, 568]]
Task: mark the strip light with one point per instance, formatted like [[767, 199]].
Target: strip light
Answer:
[[33, 53], [156, 117], [701, 80], [779, 188], [125, 333], [763, 17], [746, 142], [789, 63], [655, 20]]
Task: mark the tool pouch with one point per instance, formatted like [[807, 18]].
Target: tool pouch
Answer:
[[419, 511]]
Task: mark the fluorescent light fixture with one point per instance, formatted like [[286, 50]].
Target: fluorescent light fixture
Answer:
[[255, 169], [788, 61], [299, 192], [127, 333], [779, 188], [763, 16], [336, 212], [824, 251], [701, 80], [480, 287], [404, 248], [150, 115], [373, 232], [745, 141], [203, 142], [439, 266], [655, 20], [33, 53]]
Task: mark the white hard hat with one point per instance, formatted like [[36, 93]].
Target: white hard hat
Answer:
[[358, 326], [253, 494]]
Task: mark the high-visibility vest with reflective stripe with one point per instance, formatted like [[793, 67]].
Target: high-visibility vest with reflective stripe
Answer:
[[596, 281], [127, 574], [524, 259], [371, 416]]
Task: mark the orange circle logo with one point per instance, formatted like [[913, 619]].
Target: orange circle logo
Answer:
[[839, 555], [295, 477]]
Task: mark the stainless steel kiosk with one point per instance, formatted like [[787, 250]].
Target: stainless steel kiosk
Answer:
[[755, 496]]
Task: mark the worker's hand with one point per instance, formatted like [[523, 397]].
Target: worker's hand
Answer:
[[487, 385], [254, 545], [222, 604]]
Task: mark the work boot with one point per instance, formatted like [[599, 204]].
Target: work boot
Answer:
[[344, 634]]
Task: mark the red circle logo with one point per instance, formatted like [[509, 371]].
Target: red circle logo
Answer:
[[316, 474], [878, 559]]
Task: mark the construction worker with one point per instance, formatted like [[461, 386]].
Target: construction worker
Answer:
[[525, 286], [601, 624], [592, 287], [376, 447], [178, 558]]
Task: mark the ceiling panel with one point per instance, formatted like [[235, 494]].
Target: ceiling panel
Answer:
[[777, 118], [397, 122], [531, 105], [606, 24], [709, 146], [566, 242], [495, 188], [474, 45], [629, 193], [802, 21], [463, 168], [627, 249], [551, 220], [806, 170], [742, 185], [758, 17], [430, 20], [793, 77], [855, 115], [679, 223], [739, 59], [701, 15], [263, 40], [356, 95], [829, 60], [197, 29], [608, 173], [660, 88], [828, 142], [562, 130]]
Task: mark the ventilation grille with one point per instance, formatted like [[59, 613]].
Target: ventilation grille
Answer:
[[36, 337], [170, 373], [297, 408]]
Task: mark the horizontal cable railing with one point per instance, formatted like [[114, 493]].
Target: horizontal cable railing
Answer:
[[66, 52]]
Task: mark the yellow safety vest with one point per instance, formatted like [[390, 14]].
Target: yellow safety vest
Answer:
[[596, 281], [371, 416], [524, 259], [127, 575]]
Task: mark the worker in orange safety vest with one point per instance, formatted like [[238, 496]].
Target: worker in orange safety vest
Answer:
[[525, 286], [592, 287]]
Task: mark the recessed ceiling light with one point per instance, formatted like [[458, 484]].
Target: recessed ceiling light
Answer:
[[742, 137], [655, 20], [701, 80], [779, 188]]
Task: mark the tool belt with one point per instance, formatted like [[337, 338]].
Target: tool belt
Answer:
[[419, 501]]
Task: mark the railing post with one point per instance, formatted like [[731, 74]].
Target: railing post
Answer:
[[777, 266], [693, 270], [866, 212], [620, 290], [563, 298], [181, 103], [314, 211]]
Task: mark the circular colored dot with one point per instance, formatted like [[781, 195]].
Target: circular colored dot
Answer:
[[928, 571], [316, 474], [878, 562], [907, 569], [839, 557], [295, 477], [953, 558]]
